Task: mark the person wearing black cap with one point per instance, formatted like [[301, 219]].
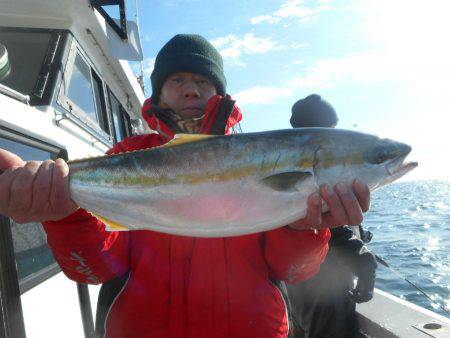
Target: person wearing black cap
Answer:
[[313, 111], [177, 286], [324, 306]]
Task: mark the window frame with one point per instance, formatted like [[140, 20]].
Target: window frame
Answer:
[[120, 30], [125, 119], [105, 110], [12, 322], [44, 85], [73, 111], [11, 287], [22, 136]]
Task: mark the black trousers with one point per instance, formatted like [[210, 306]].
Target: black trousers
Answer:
[[320, 307]]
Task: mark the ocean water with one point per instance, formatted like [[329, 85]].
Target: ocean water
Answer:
[[410, 222]]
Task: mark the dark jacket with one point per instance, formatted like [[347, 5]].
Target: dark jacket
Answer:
[[324, 306]]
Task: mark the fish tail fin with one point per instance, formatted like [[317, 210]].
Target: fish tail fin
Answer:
[[111, 225]]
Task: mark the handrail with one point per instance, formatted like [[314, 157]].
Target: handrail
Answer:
[[14, 94]]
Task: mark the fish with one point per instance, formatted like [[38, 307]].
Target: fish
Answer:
[[230, 185]]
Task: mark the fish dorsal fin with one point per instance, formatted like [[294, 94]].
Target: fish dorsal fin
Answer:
[[186, 138], [287, 181], [178, 139], [111, 225]]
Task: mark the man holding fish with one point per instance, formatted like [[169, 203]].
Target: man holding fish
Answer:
[[184, 286], [319, 311]]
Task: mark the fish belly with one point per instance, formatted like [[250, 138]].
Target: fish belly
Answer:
[[204, 210]]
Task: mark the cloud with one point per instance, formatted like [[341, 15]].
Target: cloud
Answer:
[[297, 45], [232, 47], [261, 95], [147, 38], [293, 9], [148, 66], [262, 18], [178, 3], [363, 68]]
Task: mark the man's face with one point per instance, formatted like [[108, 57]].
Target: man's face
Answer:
[[186, 94]]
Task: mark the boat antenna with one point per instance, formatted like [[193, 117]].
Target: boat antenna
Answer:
[[385, 264], [140, 78]]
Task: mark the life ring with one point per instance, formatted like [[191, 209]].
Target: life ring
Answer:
[[5, 65]]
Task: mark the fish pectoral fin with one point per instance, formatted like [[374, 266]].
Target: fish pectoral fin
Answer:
[[186, 138], [111, 225], [289, 181]]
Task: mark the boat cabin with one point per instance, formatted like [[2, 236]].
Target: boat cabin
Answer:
[[66, 90]]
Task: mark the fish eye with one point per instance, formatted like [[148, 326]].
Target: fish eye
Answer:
[[380, 155]]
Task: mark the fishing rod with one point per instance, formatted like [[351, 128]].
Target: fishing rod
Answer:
[[385, 264], [357, 232]]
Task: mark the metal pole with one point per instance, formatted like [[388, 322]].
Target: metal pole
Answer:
[[86, 310], [141, 76], [11, 315], [83, 291], [123, 19]]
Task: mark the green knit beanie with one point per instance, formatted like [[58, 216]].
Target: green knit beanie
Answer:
[[188, 53]]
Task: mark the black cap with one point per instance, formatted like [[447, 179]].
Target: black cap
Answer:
[[188, 53], [313, 111]]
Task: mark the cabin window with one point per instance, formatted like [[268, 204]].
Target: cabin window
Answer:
[[82, 95], [90, 102], [80, 90], [120, 118], [100, 103], [34, 260], [26, 58]]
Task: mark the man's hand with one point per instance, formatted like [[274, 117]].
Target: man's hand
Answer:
[[346, 207], [34, 191], [365, 266]]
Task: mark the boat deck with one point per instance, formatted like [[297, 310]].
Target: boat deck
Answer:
[[387, 316]]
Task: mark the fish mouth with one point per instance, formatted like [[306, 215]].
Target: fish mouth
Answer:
[[397, 167]]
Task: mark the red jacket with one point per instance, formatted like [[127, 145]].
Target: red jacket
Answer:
[[184, 286]]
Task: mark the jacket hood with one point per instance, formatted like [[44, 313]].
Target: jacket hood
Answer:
[[221, 114]]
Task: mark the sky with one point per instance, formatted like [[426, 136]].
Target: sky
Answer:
[[383, 65]]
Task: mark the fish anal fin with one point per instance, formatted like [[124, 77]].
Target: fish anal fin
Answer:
[[111, 225], [289, 181]]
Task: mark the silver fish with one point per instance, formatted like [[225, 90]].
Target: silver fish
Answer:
[[217, 186]]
